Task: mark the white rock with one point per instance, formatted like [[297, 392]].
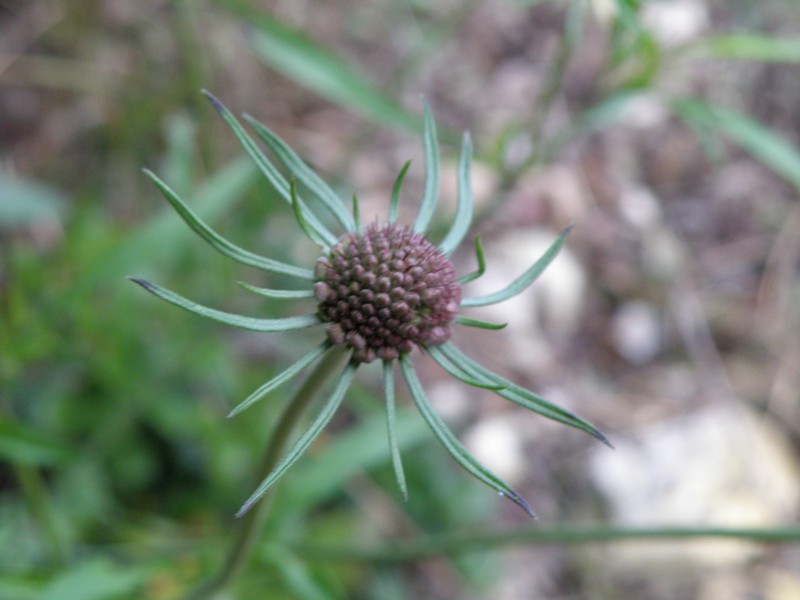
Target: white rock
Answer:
[[604, 10], [663, 254], [645, 111], [497, 445], [636, 332], [450, 399], [640, 207], [717, 467], [782, 585], [675, 22]]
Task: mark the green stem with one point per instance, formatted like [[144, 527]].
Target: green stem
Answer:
[[541, 153], [454, 543], [29, 477], [41, 508], [250, 525], [553, 83], [196, 73]]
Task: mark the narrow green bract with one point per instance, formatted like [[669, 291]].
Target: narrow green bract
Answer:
[[431, 147], [270, 293], [523, 281], [465, 201], [218, 242], [391, 427], [303, 173], [300, 446], [451, 444], [281, 378], [465, 279], [266, 167], [264, 325]]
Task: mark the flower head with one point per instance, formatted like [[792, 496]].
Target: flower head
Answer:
[[381, 291], [385, 291]]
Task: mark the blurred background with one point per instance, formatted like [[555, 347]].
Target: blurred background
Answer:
[[666, 131]]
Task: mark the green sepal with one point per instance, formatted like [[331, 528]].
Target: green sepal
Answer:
[[524, 280], [481, 264], [462, 320], [269, 170], [300, 446], [356, 214], [281, 378], [451, 444], [250, 323], [300, 214], [431, 151], [218, 242], [391, 427], [270, 293], [297, 167], [394, 206], [458, 373], [518, 394], [463, 217]]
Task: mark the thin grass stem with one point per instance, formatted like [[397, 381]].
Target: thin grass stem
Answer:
[[452, 543]]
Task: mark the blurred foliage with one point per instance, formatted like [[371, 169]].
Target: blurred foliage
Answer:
[[118, 471]]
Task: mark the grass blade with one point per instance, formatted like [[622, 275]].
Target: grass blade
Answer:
[[748, 46], [25, 445], [772, 150], [317, 68]]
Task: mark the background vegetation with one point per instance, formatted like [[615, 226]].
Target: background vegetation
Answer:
[[667, 131]]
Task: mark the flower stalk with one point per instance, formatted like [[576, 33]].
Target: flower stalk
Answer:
[[250, 524]]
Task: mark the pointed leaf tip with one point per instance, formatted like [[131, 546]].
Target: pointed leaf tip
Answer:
[[245, 508], [523, 281], [602, 437], [521, 502], [142, 282], [451, 443], [514, 393], [218, 106]]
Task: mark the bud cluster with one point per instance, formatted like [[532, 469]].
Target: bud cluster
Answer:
[[386, 290]]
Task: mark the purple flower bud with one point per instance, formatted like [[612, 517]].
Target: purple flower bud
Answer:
[[385, 291], [322, 291]]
